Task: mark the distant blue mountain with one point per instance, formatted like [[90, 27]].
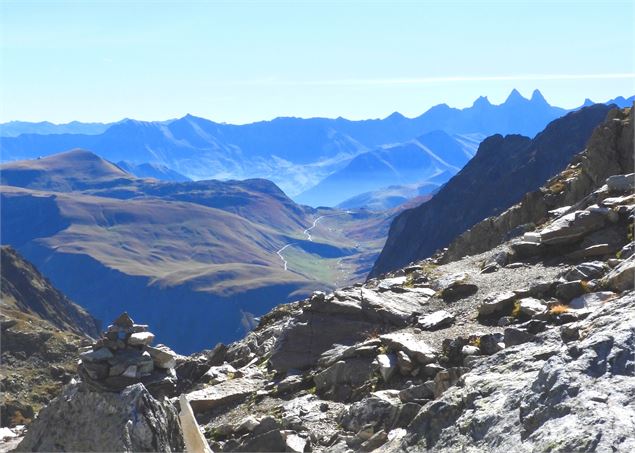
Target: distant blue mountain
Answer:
[[15, 128], [431, 156], [156, 171], [295, 153]]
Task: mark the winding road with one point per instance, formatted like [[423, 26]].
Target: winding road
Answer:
[[307, 233]]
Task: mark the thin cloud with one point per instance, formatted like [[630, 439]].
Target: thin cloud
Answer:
[[440, 79]]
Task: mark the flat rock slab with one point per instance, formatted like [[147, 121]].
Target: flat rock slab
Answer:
[[437, 320], [497, 303], [223, 393], [411, 344]]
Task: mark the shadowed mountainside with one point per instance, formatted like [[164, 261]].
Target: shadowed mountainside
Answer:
[[503, 170]]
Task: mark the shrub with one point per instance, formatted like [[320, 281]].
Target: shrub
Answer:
[[558, 309]]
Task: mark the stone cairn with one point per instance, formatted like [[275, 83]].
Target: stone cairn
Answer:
[[122, 356]]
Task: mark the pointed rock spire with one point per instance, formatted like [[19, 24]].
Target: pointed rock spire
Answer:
[[515, 96], [537, 96]]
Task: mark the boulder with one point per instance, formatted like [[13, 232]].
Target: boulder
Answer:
[[591, 301], [437, 320], [411, 344], [620, 183], [524, 249], [405, 364], [571, 227], [162, 356], [514, 336], [622, 277], [491, 343], [295, 443], [387, 365], [141, 338], [497, 303], [375, 412], [417, 393], [447, 378], [587, 271], [531, 306], [340, 380], [568, 290], [81, 419], [224, 393], [455, 287]]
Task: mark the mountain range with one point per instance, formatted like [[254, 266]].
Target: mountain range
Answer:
[[501, 172], [296, 154]]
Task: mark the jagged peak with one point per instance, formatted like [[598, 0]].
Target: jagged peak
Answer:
[[537, 96], [481, 101], [515, 96]]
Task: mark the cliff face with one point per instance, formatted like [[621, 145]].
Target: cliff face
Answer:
[[608, 152], [503, 170], [41, 333]]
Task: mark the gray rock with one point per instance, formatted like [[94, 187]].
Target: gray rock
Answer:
[[340, 380], [531, 306], [84, 420], [568, 290], [491, 343], [571, 227], [620, 183], [523, 249], [543, 396], [141, 338], [587, 271], [437, 320], [468, 350], [411, 344], [591, 301], [514, 336], [224, 393], [295, 443], [622, 277], [378, 413], [497, 303], [271, 441], [405, 364], [377, 440], [98, 355], [387, 365], [162, 356], [417, 393]]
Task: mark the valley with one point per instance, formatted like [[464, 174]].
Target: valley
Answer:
[[214, 249]]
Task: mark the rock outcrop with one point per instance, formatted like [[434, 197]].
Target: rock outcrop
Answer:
[[82, 419], [609, 152], [503, 170], [41, 331]]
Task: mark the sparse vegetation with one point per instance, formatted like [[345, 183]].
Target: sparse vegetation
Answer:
[[516, 310], [557, 187], [558, 309]]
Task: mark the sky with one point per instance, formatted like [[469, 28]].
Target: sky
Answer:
[[243, 61]]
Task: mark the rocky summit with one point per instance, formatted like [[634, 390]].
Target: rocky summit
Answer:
[[526, 346]]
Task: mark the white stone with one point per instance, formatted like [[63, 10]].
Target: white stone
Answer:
[[468, 350], [387, 364], [436, 320], [531, 306], [141, 338]]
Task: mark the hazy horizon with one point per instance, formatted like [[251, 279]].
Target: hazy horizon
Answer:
[[240, 62]]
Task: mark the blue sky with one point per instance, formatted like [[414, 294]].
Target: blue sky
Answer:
[[242, 61]]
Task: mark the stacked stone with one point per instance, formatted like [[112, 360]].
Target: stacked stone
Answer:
[[123, 356]]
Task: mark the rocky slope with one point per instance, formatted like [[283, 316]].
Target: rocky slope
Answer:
[[41, 331], [527, 346], [503, 170]]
